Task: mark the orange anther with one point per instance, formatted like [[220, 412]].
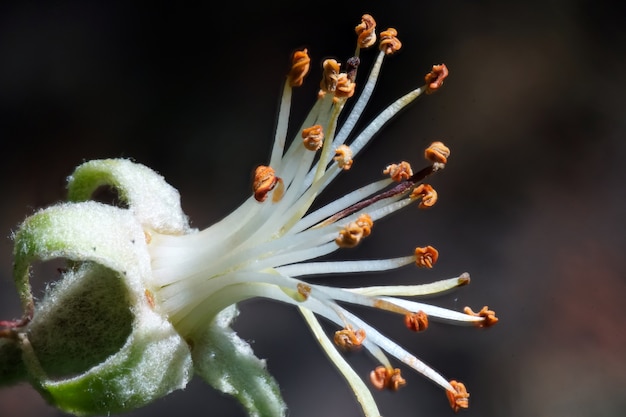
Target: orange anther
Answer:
[[304, 290], [426, 257], [389, 378], [300, 63], [366, 31], [437, 152], [399, 172], [343, 156], [434, 79], [418, 322], [459, 398], [427, 193], [345, 86], [330, 76], [265, 180], [351, 235], [389, 43], [313, 137], [349, 339], [489, 316]]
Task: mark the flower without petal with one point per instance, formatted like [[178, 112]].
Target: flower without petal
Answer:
[[160, 296]]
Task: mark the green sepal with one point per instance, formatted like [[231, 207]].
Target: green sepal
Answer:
[[227, 363]]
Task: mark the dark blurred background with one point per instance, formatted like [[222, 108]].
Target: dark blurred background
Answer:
[[532, 202]]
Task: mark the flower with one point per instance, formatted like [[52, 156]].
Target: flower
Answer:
[[146, 300]]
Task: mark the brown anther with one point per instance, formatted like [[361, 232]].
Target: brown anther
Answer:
[[427, 193], [345, 87], [304, 290], [265, 180], [351, 235], [418, 322], [343, 156], [366, 31], [459, 398], [437, 152], [389, 43], [434, 79], [399, 172], [348, 339], [313, 137], [426, 257], [383, 377], [330, 76], [300, 64], [489, 316]]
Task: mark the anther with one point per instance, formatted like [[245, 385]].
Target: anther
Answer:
[[390, 378], [352, 64], [330, 76], [366, 31], [265, 180], [345, 86], [343, 156], [427, 193], [489, 316], [418, 322], [348, 339], [459, 398], [434, 79], [426, 257], [351, 235], [389, 43], [300, 63], [313, 137], [304, 290], [437, 152], [399, 172], [147, 237]]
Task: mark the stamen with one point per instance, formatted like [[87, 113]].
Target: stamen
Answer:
[[418, 322], [351, 235], [300, 64], [366, 32], [489, 316], [389, 43], [426, 257], [434, 79], [390, 378], [459, 398], [265, 180], [426, 193], [437, 152], [313, 137], [330, 76], [399, 172], [343, 156], [345, 87], [348, 339]]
